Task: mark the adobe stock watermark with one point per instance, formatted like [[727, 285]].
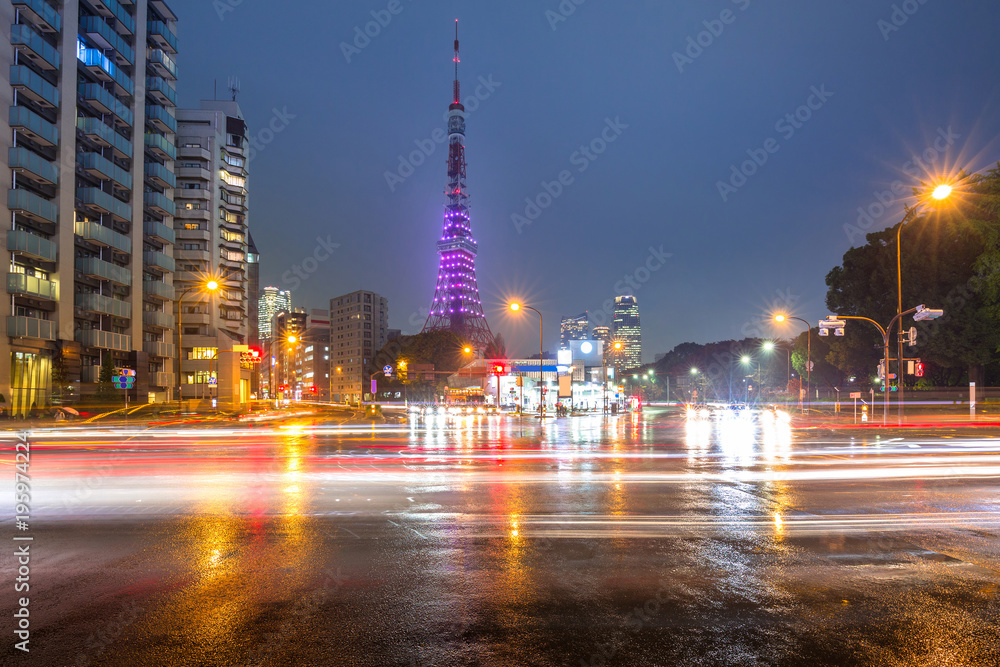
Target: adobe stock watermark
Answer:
[[363, 36], [917, 167], [632, 282], [581, 158], [786, 126], [299, 273], [563, 11], [426, 147], [223, 7], [900, 14], [714, 28], [280, 120]]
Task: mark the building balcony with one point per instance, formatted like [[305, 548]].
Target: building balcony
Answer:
[[160, 90], [159, 203], [32, 166], [31, 245], [33, 126], [161, 379], [33, 48], [32, 206], [97, 29], [97, 233], [31, 327], [160, 118], [158, 290], [105, 340], [190, 319], [160, 176], [160, 146], [105, 203], [101, 133], [158, 319], [155, 348], [102, 67], [159, 260], [40, 13], [160, 34], [19, 284], [199, 173], [106, 305], [162, 64], [105, 102], [104, 169], [30, 84], [112, 9], [95, 267], [193, 151], [90, 374], [158, 231]]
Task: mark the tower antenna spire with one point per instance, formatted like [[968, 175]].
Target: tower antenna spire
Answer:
[[456, 95]]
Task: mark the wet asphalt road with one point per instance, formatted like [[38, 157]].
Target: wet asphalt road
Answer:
[[635, 540]]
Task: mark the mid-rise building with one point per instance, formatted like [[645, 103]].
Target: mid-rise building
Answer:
[[359, 327], [603, 334], [287, 328], [574, 328], [627, 330], [272, 301], [212, 236], [312, 358], [89, 244]]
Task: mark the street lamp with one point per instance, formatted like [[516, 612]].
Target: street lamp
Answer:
[[541, 357], [782, 318], [941, 192], [208, 287]]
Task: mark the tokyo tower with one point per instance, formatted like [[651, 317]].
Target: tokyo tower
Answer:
[[456, 306]]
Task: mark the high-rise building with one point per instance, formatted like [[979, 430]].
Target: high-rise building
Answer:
[[603, 334], [359, 327], [312, 358], [574, 328], [271, 301], [287, 328], [89, 140], [627, 330], [211, 226], [456, 306], [253, 290]]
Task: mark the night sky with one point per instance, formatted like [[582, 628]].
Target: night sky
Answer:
[[882, 86]]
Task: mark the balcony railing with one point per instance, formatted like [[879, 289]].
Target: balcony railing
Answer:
[[112, 8], [162, 378], [97, 233], [104, 169], [32, 245], [31, 327], [160, 89], [160, 33], [161, 118], [34, 126], [33, 286], [103, 68], [107, 340], [98, 268], [159, 231], [38, 168], [159, 202], [156, 348], [160, 175], [32, 206], [158, 289], [104, 101], [159, 260], [158, 319], [40, 13], [160, 146], [100, 303], [105, 203], [31, 44], [99, 131], [163, 64], [98, 29], [30, 83]]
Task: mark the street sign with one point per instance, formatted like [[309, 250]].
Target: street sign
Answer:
[[855, 394], [213, 381], [124, 378], [374, 387], [387, 370]]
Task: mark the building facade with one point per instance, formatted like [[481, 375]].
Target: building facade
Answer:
[[627, 330], [89, 242], [574, 328], [312, 358], [603, 334], [359, 327], [212, 237], [272, 300]]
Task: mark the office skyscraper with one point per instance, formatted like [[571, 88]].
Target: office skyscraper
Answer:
[[272, 300], [574, 328], [627, 330]]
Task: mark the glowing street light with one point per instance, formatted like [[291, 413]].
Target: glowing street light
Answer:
[[541, 357], [208, 287], [781, 317]]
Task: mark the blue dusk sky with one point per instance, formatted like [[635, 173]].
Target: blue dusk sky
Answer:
[[717, 153]]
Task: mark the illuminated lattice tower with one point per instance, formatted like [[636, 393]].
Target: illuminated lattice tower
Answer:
[[456, 306]]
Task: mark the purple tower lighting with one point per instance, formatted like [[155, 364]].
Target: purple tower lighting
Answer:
[[456, 306]]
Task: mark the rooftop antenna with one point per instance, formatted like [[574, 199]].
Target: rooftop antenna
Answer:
[[234, 87], [456, 63]]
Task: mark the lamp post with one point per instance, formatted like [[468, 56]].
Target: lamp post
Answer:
[[616, 346], [939, 193], [541, 358], [210, 286], [781, 318]]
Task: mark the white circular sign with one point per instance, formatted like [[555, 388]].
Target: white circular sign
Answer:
[[586, 348]]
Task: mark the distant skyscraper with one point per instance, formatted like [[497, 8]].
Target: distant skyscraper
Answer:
[[359, 328], [272, 300], [627, 330], [603, 334], [253, 289], [574, 328]]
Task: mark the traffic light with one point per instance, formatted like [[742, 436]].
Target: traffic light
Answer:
[[919, 371], [251, 356], [499, 369]]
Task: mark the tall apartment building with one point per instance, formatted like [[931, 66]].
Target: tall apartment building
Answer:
[[627, 330], [574, 328], [90, 145], [359, 327], [312, 358], [212, 236], [272, 300]]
